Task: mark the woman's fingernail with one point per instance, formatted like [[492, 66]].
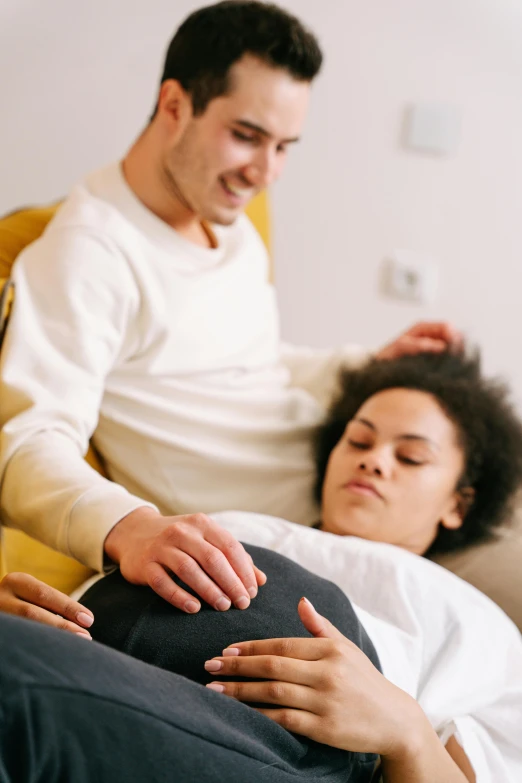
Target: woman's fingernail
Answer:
[[213, 666], [308, 602], [192, 607], [252, 592], [243, 602], [85, 619], [85, 635], [215, 686], [222, 604], [231, 651]]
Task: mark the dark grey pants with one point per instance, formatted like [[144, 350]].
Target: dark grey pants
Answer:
[[74, 711]]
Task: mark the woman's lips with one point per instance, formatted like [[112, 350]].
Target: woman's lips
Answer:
[[362, 488]]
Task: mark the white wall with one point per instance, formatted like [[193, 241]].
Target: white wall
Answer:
[[77, 82]]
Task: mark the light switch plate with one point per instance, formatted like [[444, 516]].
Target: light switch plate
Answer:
[[433, 128]]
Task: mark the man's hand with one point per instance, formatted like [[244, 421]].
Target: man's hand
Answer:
[[25, 596], [430, 337], [149, 547]]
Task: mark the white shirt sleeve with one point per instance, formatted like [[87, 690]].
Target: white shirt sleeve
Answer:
[[75, 301], [493, 759], [317, 370]]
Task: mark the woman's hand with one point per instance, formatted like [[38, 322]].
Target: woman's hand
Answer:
[[324, 688], [25, 596], [328, 690]]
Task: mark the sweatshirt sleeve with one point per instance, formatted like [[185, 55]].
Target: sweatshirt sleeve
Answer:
[[3, 569], [317, 370], [75, 305]]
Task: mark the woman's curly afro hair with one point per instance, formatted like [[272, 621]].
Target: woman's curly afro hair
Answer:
[[489, 430]]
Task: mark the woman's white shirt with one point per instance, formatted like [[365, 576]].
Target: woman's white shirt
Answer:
[[437, 637]]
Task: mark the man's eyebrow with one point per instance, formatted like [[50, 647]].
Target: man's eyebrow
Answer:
[[405, 436], [258, 129]]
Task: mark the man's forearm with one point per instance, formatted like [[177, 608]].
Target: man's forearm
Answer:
[[52, 494], [316, 370]]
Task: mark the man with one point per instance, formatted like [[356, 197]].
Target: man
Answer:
[[143, 317]]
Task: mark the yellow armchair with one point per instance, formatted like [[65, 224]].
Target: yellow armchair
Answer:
[[19, 552]]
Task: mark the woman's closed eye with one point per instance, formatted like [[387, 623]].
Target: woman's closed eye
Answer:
[[416, 461], [358, 444]]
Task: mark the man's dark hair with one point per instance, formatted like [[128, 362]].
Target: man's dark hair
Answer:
[[489, 430], [213, 38]]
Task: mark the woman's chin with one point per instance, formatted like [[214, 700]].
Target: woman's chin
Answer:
[[361, 525]]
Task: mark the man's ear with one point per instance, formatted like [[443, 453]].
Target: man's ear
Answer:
[[463, 500], [174, 105]]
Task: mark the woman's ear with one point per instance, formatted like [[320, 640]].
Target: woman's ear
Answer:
[[463, 500]]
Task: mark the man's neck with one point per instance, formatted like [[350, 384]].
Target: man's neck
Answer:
[[141, 174]]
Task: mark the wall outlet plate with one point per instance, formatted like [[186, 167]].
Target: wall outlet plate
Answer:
[[410, 277]]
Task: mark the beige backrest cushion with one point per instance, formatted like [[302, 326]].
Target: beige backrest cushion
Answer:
[[495, 568]]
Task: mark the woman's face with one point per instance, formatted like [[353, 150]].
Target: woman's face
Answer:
[[393, 475]]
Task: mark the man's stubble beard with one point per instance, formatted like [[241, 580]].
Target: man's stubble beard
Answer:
[[173, 188], [177, 161]]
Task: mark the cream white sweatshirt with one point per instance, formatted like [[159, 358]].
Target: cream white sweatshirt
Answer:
[[169, 355]]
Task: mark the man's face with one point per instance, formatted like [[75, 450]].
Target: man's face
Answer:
[[238, 146]]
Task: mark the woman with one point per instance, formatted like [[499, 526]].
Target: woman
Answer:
[[408, 471], [418, 452]]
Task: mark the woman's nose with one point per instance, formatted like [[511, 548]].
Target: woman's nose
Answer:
[[370, 469], [374, 463]]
